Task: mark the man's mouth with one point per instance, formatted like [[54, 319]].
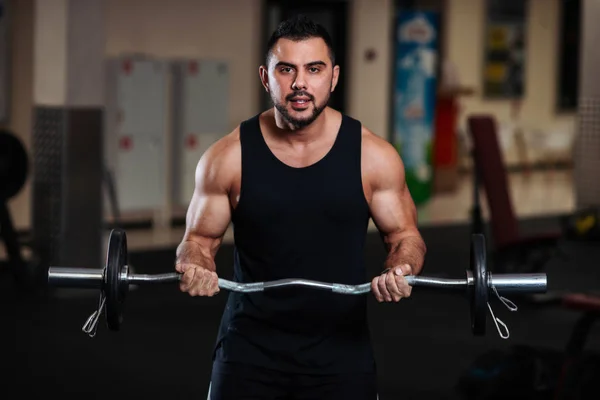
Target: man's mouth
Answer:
[[299, 101]]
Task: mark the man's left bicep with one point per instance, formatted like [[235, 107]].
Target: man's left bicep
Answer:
[[392, 208], [394, 213]]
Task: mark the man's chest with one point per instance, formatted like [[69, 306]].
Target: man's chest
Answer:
[[300, 198]]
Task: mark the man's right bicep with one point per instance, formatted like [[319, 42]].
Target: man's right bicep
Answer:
[[209, 212], [208, 215]]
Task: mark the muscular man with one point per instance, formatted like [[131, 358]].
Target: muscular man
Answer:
[[299, 182]]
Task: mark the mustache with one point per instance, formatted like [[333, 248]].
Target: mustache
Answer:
[[299, 94]]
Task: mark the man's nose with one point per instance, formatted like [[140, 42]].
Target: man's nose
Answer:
[[299, 82]]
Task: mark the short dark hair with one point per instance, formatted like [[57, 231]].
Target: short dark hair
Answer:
[[297, 28]]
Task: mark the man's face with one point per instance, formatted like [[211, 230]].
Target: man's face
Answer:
[[300, 78]]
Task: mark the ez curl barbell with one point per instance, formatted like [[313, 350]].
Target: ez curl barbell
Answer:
[[114, 279]]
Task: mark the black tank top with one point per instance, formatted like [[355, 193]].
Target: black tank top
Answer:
[[299, 223]]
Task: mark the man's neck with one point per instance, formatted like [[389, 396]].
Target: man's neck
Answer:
[[304, 135]]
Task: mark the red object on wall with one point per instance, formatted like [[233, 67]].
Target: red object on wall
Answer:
[[193, 68], [191, 141], [125, 143], [444, 149], [127, 67]]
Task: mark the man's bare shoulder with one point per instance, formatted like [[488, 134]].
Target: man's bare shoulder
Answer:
[[221, 162], [225, 149], [378, 154]]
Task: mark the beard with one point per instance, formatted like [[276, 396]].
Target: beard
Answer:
[[302, 122]]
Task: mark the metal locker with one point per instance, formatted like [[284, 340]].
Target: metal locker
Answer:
[[137, 120], [200, 112]]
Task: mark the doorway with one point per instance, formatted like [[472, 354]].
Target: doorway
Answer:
[[333, 15]]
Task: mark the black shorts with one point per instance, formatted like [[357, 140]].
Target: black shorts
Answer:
[[235, 381]]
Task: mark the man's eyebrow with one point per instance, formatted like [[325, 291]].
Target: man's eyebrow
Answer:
[[313, 63], [285, 64], [310, 64]]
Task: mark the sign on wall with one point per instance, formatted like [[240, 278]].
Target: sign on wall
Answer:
[[504, 52], [416, 42]]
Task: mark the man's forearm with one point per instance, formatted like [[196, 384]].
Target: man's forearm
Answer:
[[407, 250]]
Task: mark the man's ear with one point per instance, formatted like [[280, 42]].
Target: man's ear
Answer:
[[335, 78], [263, 72]]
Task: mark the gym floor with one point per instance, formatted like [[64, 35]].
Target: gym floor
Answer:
[[423, 344]]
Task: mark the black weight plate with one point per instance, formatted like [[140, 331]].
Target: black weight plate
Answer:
[[479, 291], [14, 165], [116, 285]]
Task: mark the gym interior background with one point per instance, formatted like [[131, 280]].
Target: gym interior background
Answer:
[[159, 81]]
